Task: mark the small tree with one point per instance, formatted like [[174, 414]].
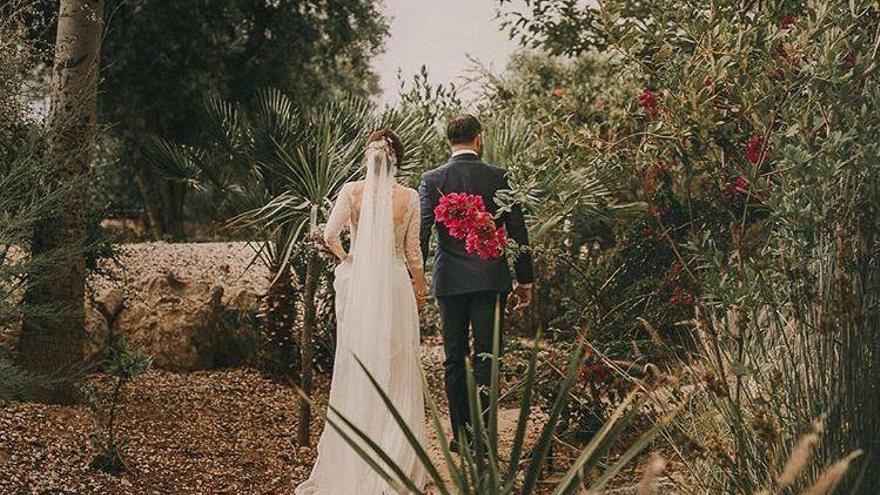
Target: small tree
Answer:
[[124, 363]]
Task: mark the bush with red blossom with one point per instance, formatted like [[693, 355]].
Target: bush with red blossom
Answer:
[[736, 186], [649, 100], [756, 150]]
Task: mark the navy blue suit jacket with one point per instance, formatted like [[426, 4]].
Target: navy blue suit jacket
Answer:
[[455, 271]]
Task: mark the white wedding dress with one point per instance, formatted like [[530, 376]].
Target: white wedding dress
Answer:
[[378, 322]]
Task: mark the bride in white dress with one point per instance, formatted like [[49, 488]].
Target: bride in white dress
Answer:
[[380, 286]]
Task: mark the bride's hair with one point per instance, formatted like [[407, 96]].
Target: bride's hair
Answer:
[[394, 142]]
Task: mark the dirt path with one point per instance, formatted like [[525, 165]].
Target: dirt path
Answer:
[[507, 419]]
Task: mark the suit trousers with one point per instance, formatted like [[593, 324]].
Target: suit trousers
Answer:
[[460, 313]]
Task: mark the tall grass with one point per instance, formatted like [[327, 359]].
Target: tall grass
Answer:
[[777, 347]]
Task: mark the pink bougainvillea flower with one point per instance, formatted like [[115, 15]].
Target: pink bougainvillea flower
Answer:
[[457, 211], [466, 218], [756, 149], [485, 239]]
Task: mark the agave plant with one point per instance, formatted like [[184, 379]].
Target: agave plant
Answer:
[[483, 469], [280, 166]]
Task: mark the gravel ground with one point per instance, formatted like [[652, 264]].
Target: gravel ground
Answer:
[[226, 262], [199, 433]]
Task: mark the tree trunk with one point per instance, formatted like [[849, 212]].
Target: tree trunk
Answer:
[[48, 345], [307, 343], [163, 204], [279, 349]]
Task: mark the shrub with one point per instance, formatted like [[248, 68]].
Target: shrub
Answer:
[[123, 364], [763, 115]]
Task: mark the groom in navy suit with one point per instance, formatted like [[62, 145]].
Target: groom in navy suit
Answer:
[[466, 286]]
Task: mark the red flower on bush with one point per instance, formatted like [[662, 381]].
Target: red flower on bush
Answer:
[[677, 267], [787, 21], [756, 149], [736, 186], [681, 296], [596, 372], [466, 218], [648, 99]]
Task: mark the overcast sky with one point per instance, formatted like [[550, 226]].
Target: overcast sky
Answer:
[[440, 34]]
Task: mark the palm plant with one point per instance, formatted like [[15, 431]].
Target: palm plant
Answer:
[[481, 469], [280, 166]]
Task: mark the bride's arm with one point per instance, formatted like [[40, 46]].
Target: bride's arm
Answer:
[[412, 248], [338, 219]]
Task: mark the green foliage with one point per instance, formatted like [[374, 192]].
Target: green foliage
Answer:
[[547, 119], [123, 364], [163, 60], [760, 116], [281, 166]]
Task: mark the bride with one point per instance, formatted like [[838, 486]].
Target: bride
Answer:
[[377, 312]]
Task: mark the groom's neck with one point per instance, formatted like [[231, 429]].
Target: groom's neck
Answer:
[[465, 147]]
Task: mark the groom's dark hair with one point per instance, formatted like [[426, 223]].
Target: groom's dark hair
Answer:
[[463, 129]]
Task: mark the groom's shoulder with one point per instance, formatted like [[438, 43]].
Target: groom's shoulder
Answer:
[[493, 168], [435, 172], [494, 171]]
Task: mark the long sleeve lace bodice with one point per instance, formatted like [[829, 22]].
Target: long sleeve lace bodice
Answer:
[[406, 228]]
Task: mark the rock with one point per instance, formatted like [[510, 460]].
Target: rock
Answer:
[[97, 334], [113, 302], [176, 320]]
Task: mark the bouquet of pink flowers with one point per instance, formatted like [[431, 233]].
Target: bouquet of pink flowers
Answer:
[[466, 218]]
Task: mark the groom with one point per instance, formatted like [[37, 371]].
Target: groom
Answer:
[[467, 287]]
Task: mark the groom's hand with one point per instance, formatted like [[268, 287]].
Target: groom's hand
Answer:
[[523, 295]]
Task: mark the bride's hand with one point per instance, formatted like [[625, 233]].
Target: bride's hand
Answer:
[[419, 292]]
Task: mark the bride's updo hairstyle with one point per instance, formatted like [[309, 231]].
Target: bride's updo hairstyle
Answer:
[[395, 145]]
